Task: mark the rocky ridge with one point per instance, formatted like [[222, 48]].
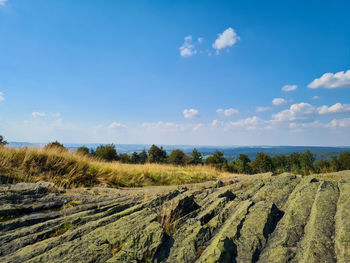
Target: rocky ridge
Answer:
[[262, 218]]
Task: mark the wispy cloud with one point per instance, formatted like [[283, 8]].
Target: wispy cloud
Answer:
[[37, 114], [190, 113], [340, 123], [331, 80], [278, 101], [114, 125], [2, 97], [188, 49], [225, 40], [263, 109], [227, 112], [288, 88]]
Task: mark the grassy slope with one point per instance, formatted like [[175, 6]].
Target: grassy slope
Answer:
[[71, 170]]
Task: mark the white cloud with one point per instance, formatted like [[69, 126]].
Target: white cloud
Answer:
[[342, 123], [227, 112], [3, 2], [116, 125], [200, 40], [296, 111], [263, 109], [252, 123], [288, 88], [331, 80], [227, 39], [315, 97], [2, 97], [187, 49], [36, 114], [336, 108], [314, 124], [304, 110], [278, 101], [217, 123], [190, 113]]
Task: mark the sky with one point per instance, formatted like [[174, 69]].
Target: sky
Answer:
[[175, 72]]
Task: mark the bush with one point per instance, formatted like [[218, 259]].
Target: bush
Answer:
[[2, 141], [55, 145], [178, 157], [106, 152], [217, 160], [125, 158], [322, 166], [83, 150]]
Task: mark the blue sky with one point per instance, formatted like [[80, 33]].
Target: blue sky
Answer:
[[175, 72]]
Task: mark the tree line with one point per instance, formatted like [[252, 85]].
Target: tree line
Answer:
[[301, 163]]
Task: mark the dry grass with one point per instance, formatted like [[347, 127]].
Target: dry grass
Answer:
[[71, 170]]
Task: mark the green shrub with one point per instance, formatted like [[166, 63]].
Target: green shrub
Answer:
[[106, 152], [55, 145]]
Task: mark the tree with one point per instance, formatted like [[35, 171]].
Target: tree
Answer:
[[322, 166], [143, 157], [344, 161], [106, 152], [307, 162], [262, 163], [281, 163], [135, 158], [156, 154], [233, 166], [196, 157], [83, 150], [244, 164], [217, 159], [2, 141], [55, 145], [178, 157], [294, 162], [335, 165], [125, 158]]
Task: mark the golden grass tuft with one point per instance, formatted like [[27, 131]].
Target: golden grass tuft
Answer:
[[68, 169]]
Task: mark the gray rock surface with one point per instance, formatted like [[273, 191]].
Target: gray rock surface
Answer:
[[282, 218]]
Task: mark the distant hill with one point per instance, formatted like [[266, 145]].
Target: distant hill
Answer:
[[230, 152]]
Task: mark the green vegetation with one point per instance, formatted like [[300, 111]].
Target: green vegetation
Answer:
[[56, 145], [2, 141], [196, 157], [83, 150], [106, 152], [72, 169], [178, 157], [88, 167], [156, 155]]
